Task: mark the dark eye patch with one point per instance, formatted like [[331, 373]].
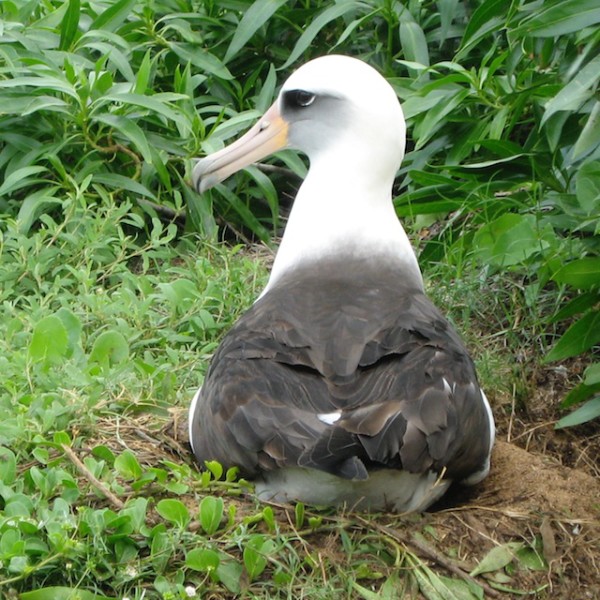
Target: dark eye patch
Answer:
[[299, 98]]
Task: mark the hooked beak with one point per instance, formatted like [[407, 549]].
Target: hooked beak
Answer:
[[267, 136]]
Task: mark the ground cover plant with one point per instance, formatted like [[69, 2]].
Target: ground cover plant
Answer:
[[117, 280]]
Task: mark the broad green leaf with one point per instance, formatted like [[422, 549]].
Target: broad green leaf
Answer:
[[116, 181], [211, 513], [592, 374], [110, 348], [581, 336], [414, 44], [577, 305], [448, 12], [230, 573], [589, 139], [181, 293], [254, 18], [69, 25], [583, 273], [559, 17], [576, 92], [202, 559], [112, 17], [20, 178], [590, 410], [497, 558], [267, 91], [588, 187], [36, 204], [331, 13], [202, 59], [43, 104], [8, 466], [41, 83], [579, 394], [256, 550], [72, 326], [128, 466], [61, 593], [158, 103], [509, 240], [174, 511], [49, 341], [142, 78], [434, 118], [267, 191]]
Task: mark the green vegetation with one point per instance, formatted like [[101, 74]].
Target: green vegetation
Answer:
[[114, 290]]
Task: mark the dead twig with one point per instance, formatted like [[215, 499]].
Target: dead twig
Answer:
[[116, 502]]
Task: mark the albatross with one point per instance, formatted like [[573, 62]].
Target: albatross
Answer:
[[343, 383]]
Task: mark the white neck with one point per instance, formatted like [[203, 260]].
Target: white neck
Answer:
[[340, 211]]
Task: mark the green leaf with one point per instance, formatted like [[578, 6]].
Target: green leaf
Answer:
[[588, 187], [70, 24], [110, 348], [255, 554], [111, 18], [61, 593], [35, 205], [581, 336], [583, 273], [211, 513], [158, 103], [579, 304], [254, 18], [174, 511], [50, 341], [20, 178], [208, 63], [435, 117], [247, 216], [128, 466], [497, 558], [590, 410], [414, 44], [592, 374], [579, 394], [230, 573], [589, 139], [120, 182], [576, 92], [509, 240], [487, 17], [202, 559], [331, 13], [559, 17], [72, 326], [8, 466]]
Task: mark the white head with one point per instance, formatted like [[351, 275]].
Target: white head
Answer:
[[332, 101], [347, 119]]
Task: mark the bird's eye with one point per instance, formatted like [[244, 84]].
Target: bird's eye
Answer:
[[302, 97]]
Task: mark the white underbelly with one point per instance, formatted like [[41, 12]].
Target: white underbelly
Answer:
[[384, 490]]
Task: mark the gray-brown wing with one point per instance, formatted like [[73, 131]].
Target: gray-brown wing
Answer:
[[342, 376]]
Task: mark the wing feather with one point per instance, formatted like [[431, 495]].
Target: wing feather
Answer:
[[377, 351]]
